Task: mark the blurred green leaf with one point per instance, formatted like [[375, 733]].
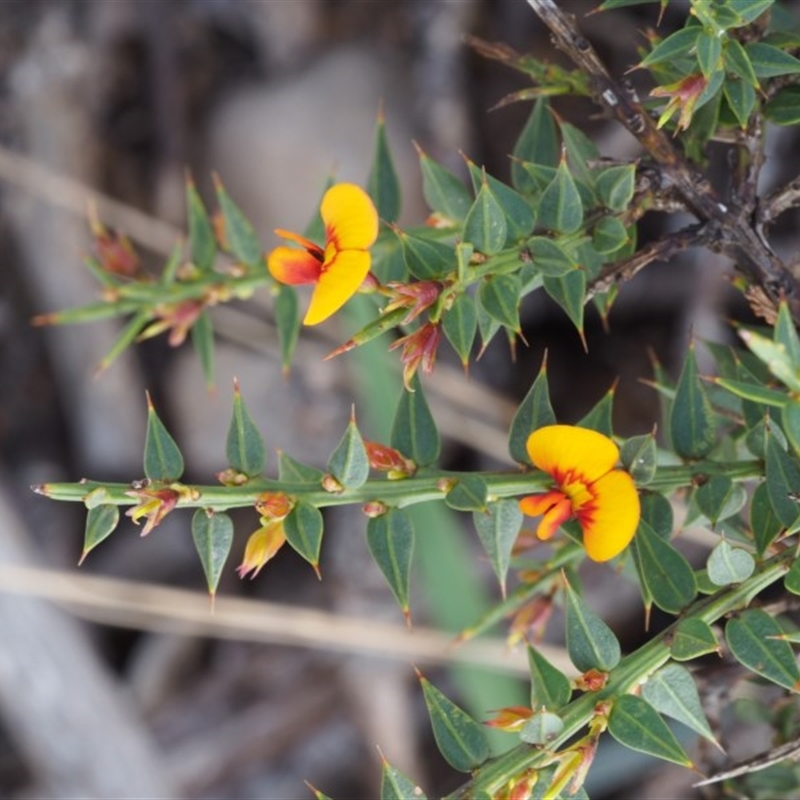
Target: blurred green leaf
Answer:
[[537, 143], [719, 498], [770, 62], [291, 471], [534, 412], [569, 291], [383, 185], [426, 259], [764, 522], [541, 728], [639, 457], [203, 342], [783, 480], [599, 417], [287, 322], [615, 185], [239, 233], [560, 206], [202, 241]]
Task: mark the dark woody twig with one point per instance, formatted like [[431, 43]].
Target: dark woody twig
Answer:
[[759, 762], [659, 250], [736, 236], [780, 200]]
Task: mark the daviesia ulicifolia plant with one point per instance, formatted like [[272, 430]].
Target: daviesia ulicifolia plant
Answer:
[[729, 444]]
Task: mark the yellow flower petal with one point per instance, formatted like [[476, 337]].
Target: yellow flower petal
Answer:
[[569, 453], [351, 221], [337, 284], [610, 521]]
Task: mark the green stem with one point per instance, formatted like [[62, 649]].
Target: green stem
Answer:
[[631, 671], [399, 493]]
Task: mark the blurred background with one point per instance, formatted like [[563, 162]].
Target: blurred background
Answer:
[[116, 680]]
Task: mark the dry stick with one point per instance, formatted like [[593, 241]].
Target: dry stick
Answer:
[[146, 606], [733, 235]]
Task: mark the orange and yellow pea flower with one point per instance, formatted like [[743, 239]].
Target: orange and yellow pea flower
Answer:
[[339, 268], [588, 488]]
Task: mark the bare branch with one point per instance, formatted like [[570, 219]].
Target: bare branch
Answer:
[[780, 200], [660, 250], [757, 763]]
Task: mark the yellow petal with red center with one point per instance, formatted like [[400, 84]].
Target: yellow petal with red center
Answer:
[[292, 266], [537, 504], [569, 453], [610, 520], [351, 221], [337, 284]]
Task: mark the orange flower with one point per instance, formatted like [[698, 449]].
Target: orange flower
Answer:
[[338, 269], [603, 499], [261, 547]]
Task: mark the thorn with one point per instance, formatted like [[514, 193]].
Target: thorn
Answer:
[[150, 406], [407, 616], [236, 385], [40, 488], [83, 557]]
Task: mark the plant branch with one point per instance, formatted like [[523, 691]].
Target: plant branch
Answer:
[[739, 241], [659, 250]]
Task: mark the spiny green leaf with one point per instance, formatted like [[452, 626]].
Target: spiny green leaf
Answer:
[[101, 520], [414, 431], [639, 457], [244, 446], [569, 291], [498, 527], [672, 691], [663, 570], [396, 786], [426, 259], [203, 342], [769, 61], [460, 739], [390, 538], [738, 62], [202, 241], [303, 528], [550, 688], [537, 143], [383, 185], [599, 417], [550, 259], [287, 322], [727, 565], [499, 296], [692, 422], [633, 722], [460, 324], [764, 522], [749, 638], [776, 356], [485, 225], [541, 728], [720, 498], [560, 207], [349, 462], [692, 638], [442, 190], [673, 47], [162, 458], [239, 233], [534, 412], [291, 471], [212, 533], [709, 52], [615, 185], [591, 644], [784, 107], [470, 493], [783, 480]]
